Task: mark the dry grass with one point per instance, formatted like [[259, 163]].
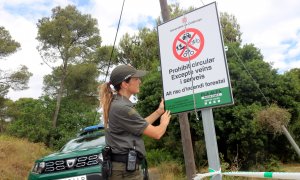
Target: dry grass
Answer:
[[167, 171], [273, 118], [291, 168], [17, 157]]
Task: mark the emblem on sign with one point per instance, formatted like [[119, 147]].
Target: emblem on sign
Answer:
[[188, 44]]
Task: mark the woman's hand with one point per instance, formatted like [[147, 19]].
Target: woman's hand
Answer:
[[157, 132], [161, 108], [165, 118]]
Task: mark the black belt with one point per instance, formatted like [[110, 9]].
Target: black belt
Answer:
[[123, 158]]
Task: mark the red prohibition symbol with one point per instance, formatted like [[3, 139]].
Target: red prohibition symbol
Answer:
[[188, 44]]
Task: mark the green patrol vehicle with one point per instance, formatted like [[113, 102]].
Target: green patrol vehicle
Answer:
[[79, 159]]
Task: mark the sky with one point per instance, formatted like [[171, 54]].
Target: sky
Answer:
[[273, 26]]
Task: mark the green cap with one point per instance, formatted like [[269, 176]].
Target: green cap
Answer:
[[123, 72]]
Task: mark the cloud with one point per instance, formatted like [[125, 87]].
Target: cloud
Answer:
[[136, 13], [271, 25]]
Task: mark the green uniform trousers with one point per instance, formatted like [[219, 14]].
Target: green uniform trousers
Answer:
[[119, 172]]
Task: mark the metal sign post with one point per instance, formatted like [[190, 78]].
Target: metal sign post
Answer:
[[211, 142]]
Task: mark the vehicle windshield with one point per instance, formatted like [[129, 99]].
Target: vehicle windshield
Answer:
[[87, 141]]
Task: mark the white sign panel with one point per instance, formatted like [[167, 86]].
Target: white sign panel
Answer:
[[193, 62]]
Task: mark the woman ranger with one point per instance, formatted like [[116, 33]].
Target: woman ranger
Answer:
[[124, 125]]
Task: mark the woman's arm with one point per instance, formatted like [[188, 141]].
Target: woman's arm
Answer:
[[156, 132]]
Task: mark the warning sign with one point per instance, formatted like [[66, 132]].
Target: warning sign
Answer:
[[188, 44], [193, 61]]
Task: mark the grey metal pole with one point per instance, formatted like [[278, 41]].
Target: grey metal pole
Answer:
[[211, 142], [290, 138]]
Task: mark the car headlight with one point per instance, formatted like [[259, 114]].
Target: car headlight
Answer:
[[38, 167], [100, 157]]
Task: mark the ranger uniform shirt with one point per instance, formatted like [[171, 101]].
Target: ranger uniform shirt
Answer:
[[125, 125]]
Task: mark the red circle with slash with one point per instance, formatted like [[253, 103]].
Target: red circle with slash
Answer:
[[188, 44]]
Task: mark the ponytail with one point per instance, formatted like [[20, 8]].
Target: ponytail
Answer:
[[106, 95]]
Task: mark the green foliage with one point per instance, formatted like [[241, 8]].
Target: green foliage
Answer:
[[81, 82], [30, 121], [140, 50], [3, 113], [270, 163], [104, 57], [7, 44], [225, 166], [250, 75], [16, 80], [74, 115], [200, 153], [238, 134], [33, 120], [288, 94], [157, 156], [230, 28], [71, 37], [150, 95], [67, 35], [273, 165]]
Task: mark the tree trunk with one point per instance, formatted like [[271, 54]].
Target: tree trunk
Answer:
[[59, 95], [188, 153]]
